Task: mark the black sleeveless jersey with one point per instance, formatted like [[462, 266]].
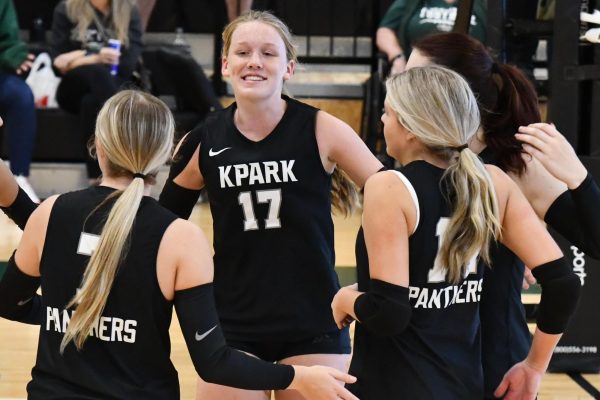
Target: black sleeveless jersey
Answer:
[[127, 353], [505, 337], [273, 232], [438, 355]]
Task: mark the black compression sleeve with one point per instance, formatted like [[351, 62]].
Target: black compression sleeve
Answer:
[[214, 361], [18, 298], [575, 215], [20, 210], [384, 309], [175, 198], [560, 294]]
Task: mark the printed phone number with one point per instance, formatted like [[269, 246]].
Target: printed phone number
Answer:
[[576, 349]]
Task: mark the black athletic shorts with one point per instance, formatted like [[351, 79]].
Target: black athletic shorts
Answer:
[[335, 342]]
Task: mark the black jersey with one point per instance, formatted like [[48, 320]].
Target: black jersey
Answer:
[[505, 337], [273, 232], [438, 355], [127, 353]]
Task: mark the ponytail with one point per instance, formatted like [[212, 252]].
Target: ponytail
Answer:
[[516, 105], [102, 268], [475, 219], [344, 195]]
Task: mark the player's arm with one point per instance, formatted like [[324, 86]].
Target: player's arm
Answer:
[[524, 234], [13, 200], [182, 188], [388, 217], [186, 276], [339, 144], [574, 212], [18, 286]]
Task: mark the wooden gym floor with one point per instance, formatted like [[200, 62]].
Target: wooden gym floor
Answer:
[[18, 342]]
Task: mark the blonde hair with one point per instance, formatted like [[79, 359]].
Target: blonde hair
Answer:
[[82, 13], [266, 18], [136, 131], [439, 108]]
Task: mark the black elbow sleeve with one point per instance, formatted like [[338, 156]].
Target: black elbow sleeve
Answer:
[[214, 361], [20, 210], [18, 298], [384, 309], [177, 199], [560, 294]]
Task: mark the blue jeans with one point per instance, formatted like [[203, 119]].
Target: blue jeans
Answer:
[[18, 112]]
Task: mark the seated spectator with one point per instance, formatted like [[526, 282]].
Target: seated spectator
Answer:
[[235, 8], [81, 30], [406, 21], [16, 99]]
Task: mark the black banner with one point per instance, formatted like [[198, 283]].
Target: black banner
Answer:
[[579, 348]]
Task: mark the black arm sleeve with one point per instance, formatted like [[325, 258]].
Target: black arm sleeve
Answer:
[[21, 209], [575, 214], [18, 298], [214, 361], [384, 309], [175, 198], [560, 294]]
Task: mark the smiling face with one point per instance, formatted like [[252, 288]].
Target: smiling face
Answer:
[[256, 62]]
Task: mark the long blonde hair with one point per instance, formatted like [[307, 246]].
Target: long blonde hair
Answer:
[[344, 195], [81, 12], [439, 108], [136, 131]]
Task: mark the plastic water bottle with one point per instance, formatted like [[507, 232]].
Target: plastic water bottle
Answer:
[[179, 38], [114, 44]]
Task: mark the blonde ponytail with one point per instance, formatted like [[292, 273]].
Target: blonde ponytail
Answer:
[[135, 130], [344, 194], [439, 108]]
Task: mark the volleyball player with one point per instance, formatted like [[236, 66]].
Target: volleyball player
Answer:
[[112, 263], [267, 162], [552, 181], [419, 282]]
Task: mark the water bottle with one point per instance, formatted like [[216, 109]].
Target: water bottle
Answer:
[[114, 44], [179, 38]]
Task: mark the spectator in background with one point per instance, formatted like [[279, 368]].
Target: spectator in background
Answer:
[[16, 100], [235, 8], [80, 33], [406, 21]]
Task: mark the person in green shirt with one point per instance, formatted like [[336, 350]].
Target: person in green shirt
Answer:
[[406, 21], [16, 100]]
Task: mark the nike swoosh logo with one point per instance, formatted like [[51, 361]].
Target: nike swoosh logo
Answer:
[[23, 302], [205, 334], [212, 153]]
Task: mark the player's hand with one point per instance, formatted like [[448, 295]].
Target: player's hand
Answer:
[[322, 383], [521, 382], [528, 279], [26, 65], [546, 144], [340, 316]]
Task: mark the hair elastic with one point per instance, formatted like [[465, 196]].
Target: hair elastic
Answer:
[[139, 175], [461, 147]]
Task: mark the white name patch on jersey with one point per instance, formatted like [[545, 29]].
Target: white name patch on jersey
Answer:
[[467, 292], [257, 173], [107, 329]]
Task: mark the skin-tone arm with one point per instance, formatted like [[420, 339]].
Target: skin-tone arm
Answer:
[[339, 144], [9, 186], [524, 234], [76, 58], [389, 214], [387, 42], [547, 145]]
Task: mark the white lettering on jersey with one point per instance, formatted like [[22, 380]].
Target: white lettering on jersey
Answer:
[[107, 329], [468, 291], [257, 173]]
